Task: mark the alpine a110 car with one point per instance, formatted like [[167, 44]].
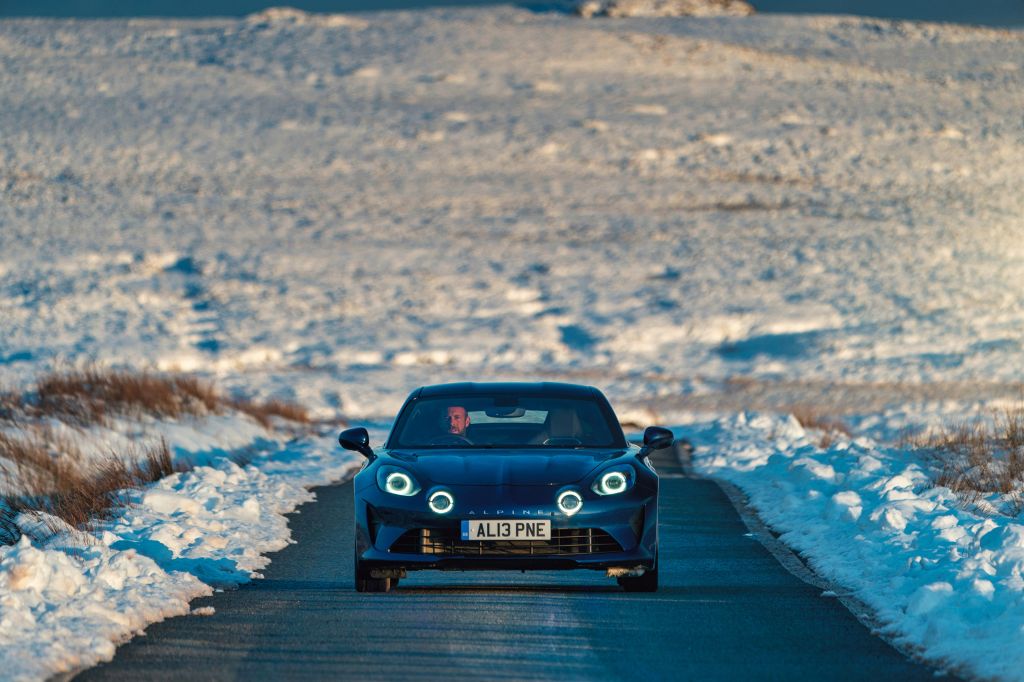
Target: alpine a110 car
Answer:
[[515, 476]]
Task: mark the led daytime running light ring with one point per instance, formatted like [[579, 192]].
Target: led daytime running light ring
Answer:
[[569, 502], [398, 483], [613, 482], [441, 502]]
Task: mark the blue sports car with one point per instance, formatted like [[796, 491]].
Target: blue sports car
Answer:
[[506, 476]]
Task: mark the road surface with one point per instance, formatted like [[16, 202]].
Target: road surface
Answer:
[[726, 610]]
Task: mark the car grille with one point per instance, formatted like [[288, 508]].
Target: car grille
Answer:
[[563, 542]]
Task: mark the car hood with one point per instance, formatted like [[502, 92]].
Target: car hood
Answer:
[[506, 467]]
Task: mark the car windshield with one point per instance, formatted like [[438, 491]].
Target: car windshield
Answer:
[[506, 421]]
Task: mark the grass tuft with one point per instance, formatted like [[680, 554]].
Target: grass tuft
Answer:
[[263, 412], [978, 458], [11, 405], [58, 481], [88, 396], [42, 469]]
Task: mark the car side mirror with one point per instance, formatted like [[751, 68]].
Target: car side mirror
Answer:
[[657, 437], [357, 439]]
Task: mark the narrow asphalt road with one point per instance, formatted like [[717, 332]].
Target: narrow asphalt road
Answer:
[[726, 610]]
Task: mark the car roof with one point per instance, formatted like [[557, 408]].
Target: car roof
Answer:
[[513, 387]]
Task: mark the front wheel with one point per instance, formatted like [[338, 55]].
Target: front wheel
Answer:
[[373, 584], [366, 583]]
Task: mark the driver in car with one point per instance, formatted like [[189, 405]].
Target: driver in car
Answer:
[[457, 420]]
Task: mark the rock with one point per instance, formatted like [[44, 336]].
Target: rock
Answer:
[[664, 8]]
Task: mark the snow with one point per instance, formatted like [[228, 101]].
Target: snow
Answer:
[[697, 215], [336, 211], [68, 596], [942, 580]]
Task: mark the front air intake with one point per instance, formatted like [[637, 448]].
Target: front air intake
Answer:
[[563, 542]]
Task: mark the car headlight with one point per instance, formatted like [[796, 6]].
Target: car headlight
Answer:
[[614, 482], [397, 481], [569, 502]]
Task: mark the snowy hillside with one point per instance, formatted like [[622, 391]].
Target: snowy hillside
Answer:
[[694, 214], [336, 210]]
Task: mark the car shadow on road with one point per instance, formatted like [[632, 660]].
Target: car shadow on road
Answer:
[[278, 585], [499, 589]]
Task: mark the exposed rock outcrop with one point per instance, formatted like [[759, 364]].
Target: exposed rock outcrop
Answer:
[[664, 8]]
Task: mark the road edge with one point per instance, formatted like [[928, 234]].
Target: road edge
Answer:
[[69, 675], [800, 568]]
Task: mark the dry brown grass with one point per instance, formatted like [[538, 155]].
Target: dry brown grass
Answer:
[[49, 474], [88, 396], [978, 458], [641, 417], [263, 412], [39, 460], [42, 469], [811, 418], [11, 405], [91, 395]]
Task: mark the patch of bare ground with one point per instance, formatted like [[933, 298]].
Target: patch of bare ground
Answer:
[[981, 460]]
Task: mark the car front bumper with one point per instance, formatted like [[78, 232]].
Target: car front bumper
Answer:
[[614, 531]]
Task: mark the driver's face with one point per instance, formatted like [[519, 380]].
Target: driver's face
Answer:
[[458, 420]]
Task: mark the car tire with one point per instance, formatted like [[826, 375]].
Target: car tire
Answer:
[[358, 574], [366, 583], [376, 585], [648, 582], [360, 578]]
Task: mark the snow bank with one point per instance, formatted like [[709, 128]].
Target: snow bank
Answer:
[[64, 607], [944, 581], [68, 597]]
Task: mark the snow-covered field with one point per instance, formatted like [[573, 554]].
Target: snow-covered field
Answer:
[[688, 213], [338, 209]]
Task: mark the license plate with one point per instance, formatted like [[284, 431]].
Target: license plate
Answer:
[[506, 529]]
